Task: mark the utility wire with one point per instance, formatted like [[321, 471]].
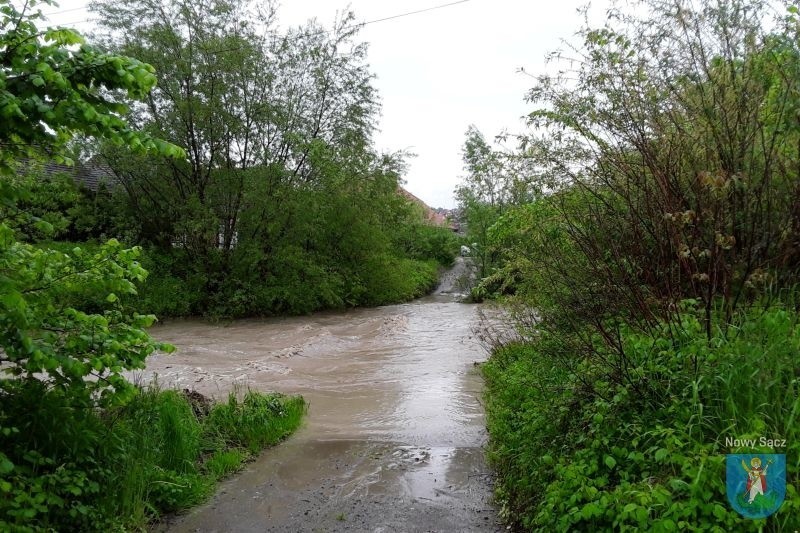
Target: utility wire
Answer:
[[64, 11], [392, 17], [75, 23], [412, 12]]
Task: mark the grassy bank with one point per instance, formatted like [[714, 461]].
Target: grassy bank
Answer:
[[650, 269], [76, 468], [576, 451]]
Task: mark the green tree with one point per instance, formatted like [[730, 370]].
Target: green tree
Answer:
[[495, 180], [53, 86], [678, 132], [659, 269], [283, 204], [248, 103]]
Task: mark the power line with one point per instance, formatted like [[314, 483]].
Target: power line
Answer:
[[392, 17], [64, 11], [413, 12], [75, 23]]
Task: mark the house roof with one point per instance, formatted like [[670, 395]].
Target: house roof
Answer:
[[89, 174], [93, 173], [431, 216]]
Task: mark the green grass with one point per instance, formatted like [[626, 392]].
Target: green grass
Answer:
[[256, 421], [77, 469], [224, 462], [577, 457]]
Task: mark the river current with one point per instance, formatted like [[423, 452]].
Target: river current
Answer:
[[394, 435]]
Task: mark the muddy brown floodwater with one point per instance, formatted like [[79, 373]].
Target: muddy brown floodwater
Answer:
[[394, 436]]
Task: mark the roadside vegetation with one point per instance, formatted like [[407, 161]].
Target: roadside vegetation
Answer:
[[76, 468], [280, 205], [82, 448], [243, 181], [644, 239]]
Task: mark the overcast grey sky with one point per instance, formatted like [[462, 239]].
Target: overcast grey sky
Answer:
[[439, 71]]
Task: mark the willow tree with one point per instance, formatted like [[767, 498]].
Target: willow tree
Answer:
[[282, 185], [678, 122]]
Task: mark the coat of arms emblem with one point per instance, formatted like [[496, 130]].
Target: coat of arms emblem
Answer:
[[756, 483]]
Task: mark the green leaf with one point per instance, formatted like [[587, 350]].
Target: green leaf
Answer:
[[44, 227], [6, 466], [13, 300], [63, 36], [166, 348]]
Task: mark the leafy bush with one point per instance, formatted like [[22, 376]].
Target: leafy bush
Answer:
[[173, 287], [61, 316], [71, 467], [423, 241], [300, 283], [71, 212], [388, 279], [577, 452], [648, 272]]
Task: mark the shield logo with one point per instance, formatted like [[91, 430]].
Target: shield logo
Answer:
[[756, 483]]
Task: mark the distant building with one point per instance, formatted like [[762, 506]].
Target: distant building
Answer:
[[435, 217], [89, 175]]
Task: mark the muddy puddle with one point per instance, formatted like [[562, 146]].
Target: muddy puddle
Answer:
[[394, 436]]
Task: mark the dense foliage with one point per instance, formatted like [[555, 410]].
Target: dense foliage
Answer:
[[282, 205], [652, 274], [247, 178], [55, 85], [79, 470], [81, 448], [53, 206], [42, 331], [577, 451], [495, 181]]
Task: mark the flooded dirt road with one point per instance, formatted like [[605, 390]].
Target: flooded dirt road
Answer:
[[394, 433]]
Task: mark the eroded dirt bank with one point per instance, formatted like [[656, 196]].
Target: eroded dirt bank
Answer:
[[394, 434]]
